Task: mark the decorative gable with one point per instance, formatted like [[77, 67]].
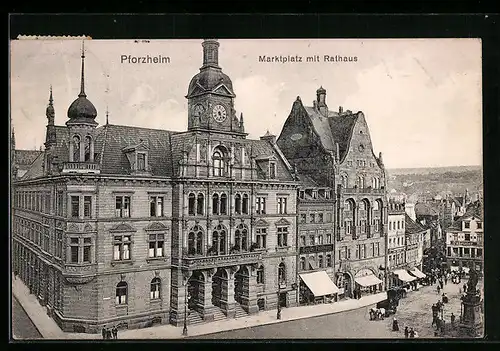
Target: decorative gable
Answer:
[[73, 228], [222, 89], [283, 222], [156, 226], [122, 227], [267, 166], [261, 223]]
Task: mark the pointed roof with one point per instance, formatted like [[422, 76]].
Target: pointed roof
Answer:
[[412, 227], [475, 209]]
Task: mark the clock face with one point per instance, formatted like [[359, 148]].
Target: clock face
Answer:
[[361, 147], [198, 110], [219, 113]]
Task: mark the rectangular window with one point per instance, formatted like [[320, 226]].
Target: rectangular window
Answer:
[[59, 243], [60, 204], [121, 244], [122, 208], [282, 205], [479, 225], [312, 218], [320, 239], [328, 260], [303, 218], [156, 244], [312, 240], [329, 217], [260, 276], [320, 217], [141, 162], [75, 206], [479, 252], [467, 225], [261, 237], [74, 251], [328, 238], [272, 170], [467, 237], [156, 206], [261, 205], [320, 261], [301, 194], [46, 242], [87, 246], [87, 206], [282, 236]]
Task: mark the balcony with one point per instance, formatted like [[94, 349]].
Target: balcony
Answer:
[[316, 248], [368, 190], [206, 262], [80, 273], [81, 167]]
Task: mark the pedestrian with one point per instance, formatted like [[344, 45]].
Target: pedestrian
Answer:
[[412, 333], [115, 332], [395, 325], [108, 334], [438, 289], [406, 332], [445, 279], [465, 288], [104, 332], [452, 320]]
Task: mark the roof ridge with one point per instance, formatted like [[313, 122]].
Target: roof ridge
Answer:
[[144, 128]]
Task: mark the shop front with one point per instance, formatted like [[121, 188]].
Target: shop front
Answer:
[[317, 287], [403, 277], [367, 282]]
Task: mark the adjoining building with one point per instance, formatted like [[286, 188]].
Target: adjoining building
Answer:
[[396, 246], [334, 149], [464, 240], [129, 226]]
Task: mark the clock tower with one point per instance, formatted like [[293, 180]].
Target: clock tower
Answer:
[[211, 96]]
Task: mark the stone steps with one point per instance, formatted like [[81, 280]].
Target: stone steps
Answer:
[[195, 318], [218, 314], [239, 311]]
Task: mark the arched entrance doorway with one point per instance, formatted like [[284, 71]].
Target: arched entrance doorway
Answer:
[[219, 278], [195, 281]]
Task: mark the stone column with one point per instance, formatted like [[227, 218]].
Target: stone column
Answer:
[[227, 301], [251, 290], [178, 298], [206, 306]]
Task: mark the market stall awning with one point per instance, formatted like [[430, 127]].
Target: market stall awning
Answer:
[[368, 280], [403, 275], [319, 283], [417, 273]]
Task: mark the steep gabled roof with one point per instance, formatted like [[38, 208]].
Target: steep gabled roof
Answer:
[[474, 209], [35, 170], [412, 227], [25, 158]]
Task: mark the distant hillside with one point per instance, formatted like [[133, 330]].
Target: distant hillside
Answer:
[[426, 170], [434, 181]]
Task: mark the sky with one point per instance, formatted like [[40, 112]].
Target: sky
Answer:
[[421, 97]]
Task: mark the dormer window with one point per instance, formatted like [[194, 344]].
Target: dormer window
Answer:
[[272, 170], [220, 165], [314, 194], [137, 155], [466, 225]]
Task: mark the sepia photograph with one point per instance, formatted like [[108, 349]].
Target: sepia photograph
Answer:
[[243, 189]]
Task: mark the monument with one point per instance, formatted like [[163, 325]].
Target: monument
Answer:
[[471, 318]]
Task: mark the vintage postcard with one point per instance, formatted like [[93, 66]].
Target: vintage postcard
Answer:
[[246, 189]]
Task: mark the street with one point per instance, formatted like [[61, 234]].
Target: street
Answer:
[[22, 326], [414, 311]]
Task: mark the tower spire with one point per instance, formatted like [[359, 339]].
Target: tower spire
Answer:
[[82, 84], [51, 100], [107, 115]]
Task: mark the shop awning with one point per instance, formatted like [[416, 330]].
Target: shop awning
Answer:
[[319, 283], [368, 280], [417, 273], [403, 275]]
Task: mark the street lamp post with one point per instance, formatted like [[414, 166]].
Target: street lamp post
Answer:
[[185, 328], [278, 313]]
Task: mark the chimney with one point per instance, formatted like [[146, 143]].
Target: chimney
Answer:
[[341, 110], [269, 137]]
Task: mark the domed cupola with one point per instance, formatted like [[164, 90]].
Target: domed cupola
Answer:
[[82, 111], [210, 75]]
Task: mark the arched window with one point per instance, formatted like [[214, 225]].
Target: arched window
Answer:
[[362, 205], [76, 148], [343, 180], [121, 293], [361, 182], [195, 241], [155, 288], [376, 206], [215, 203], [348, 205], [237, 204], [200, 204], [219, 162], [88, 149], [192, 204], [244, 209], [302, 263], [282, 274], [219, 237], [223, 204], [260, 275], [241, 238]]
